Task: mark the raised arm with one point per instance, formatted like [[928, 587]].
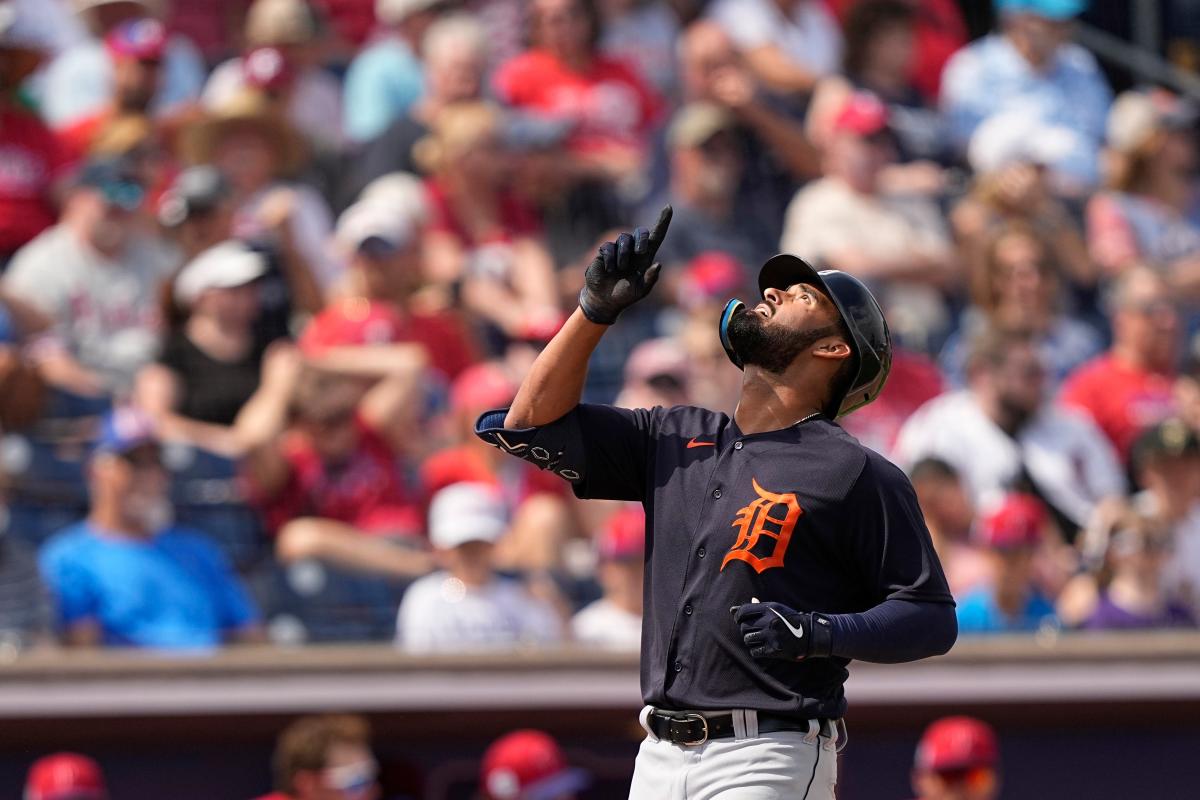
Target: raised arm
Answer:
[[622, 273]]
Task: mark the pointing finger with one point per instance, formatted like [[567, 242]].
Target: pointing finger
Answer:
[[660, 230]]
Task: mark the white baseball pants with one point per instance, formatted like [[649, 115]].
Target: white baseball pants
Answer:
[[784, 765]]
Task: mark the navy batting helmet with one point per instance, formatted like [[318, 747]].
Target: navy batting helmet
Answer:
[[870, 340]]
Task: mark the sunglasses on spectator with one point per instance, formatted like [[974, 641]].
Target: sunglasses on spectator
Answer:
[[351, 779]]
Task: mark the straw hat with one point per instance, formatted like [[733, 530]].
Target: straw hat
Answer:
[[455, 131], [247, 108]]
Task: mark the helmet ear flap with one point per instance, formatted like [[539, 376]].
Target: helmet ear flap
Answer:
[[731, 308]]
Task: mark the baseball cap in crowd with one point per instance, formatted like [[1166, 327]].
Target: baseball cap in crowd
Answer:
[[1049, 9], [143, 39], [272, 23], [392, 12], [528, 765], [481, 387], [956, 743], [267, 68], [65, 776], [195, 190], [696, 123], [124, 430], [710, 276], [656, 358], [222, 266], [1016, 137], [24, 28], [1016, 522], [863, 114], [1135, 116], [374, 228], [354, 322], [624, 536], [115, 180], [402, 192], [1172, 438], [466, 512]]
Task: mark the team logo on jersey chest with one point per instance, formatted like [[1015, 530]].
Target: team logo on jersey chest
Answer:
[[764, 527]]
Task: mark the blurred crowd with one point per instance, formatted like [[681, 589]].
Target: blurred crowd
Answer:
[[265, 263], [329, 757]]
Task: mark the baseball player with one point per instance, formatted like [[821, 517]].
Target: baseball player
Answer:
[[778, 548]]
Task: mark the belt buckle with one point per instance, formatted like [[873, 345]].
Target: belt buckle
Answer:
[[703, 722]]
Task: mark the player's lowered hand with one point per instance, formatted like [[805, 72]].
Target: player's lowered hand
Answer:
[[773, 630], [622, 272]]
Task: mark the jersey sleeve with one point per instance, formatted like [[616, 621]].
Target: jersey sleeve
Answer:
[[890, 544], [603, 451]]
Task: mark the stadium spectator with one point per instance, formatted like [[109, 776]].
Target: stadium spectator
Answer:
[[528, 765], [851, 222], [957, 759], [775, 149], [27, 202], [381, 305], [65, 776], [22, 390], [541, 521], [1187, 393], [136, 49], [1009, 156], [259, 152], [1131, 592], [208, 367], [565, 77], [913, 381], [707, 168], [1166, 464], [1029, 68], [1010, 535], [1147, 214], [26, 616], [480, 232], [788, 44], [1000, 433], [1017, 286], [387, 77], [325, 758], [327, 459], [196, 211], [950, 515], [656, 374], [1131, 386], [454, 55], [80, 81], [615, 620], [466, 606], [642, 33], [128, 576], [879, 57], [284, 56], [96, 276]]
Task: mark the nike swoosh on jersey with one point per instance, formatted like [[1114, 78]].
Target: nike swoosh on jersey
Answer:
[[797, 632], [694, 443]]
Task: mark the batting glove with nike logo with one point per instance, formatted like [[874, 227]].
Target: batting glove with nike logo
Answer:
[[773, 630]]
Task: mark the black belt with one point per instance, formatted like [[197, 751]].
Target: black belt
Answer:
[[692, 728]]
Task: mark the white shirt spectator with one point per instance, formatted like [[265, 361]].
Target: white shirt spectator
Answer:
[[1066, 455], [441, 614], [603, 624], [808, 36], [105, 311]]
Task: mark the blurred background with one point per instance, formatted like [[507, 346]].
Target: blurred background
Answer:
[[262, 265]]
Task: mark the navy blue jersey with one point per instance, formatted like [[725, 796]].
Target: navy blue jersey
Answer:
[[804, 516]]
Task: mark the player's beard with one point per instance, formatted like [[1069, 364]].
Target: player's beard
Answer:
[[771, 347]]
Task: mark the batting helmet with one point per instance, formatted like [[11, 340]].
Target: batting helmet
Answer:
[[870, 342]]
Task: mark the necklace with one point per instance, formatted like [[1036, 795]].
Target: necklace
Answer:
[[813, 415]]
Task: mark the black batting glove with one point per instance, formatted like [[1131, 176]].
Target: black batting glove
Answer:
[[623, 272], [773, 630]]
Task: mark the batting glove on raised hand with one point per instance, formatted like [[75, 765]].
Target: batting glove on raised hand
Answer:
[[623, 272], [773, 630]]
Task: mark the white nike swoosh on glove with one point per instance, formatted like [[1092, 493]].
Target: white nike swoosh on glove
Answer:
[[797, 632]]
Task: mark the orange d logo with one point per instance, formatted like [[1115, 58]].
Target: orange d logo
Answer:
[[754, 522]]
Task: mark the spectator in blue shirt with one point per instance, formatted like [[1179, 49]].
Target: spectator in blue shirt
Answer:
[[1030, 68], [1011, 533], [386, 77], [127, 576]]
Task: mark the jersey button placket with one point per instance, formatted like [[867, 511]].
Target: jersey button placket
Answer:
[[701, 551], [717, 494], [737, 445], [678, 665], [687, 609]]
